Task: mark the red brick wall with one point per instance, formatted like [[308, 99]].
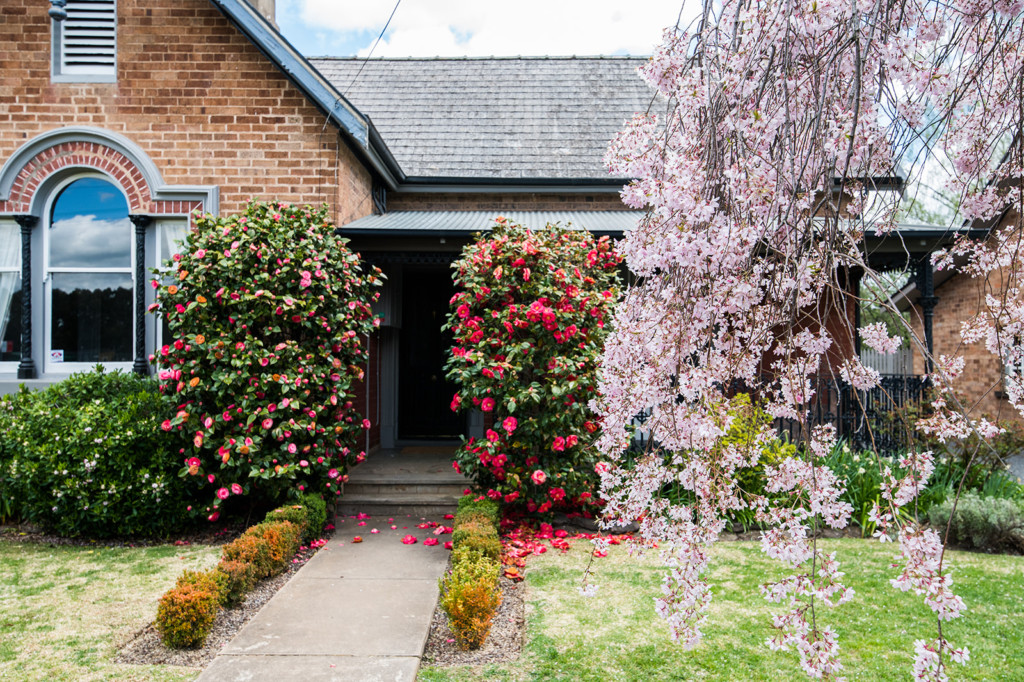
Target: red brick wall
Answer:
[[195, 95], [980, 385]]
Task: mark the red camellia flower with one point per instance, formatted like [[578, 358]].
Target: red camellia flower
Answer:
[[456, 402], [559, 444], [430, 542], [557, 494], [409, 540], [223, 493], [487, 404], [492, 435], [509, 425]]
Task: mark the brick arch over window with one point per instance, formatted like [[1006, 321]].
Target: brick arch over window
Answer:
[[27, 171]]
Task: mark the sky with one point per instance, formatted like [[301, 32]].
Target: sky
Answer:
[[455, 28]]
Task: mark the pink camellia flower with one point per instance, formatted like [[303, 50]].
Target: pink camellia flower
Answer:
[[211, 478], [268, 423], [292, 449], [430, 542], [236, 489], [570, 441], [166, 426], [557, 494], [492, 435], [509, 425], [200, 253], [303, 463], [214, 516], [538, 477], [223, 493], [456, 401], [366, 423], [409, 540], [448, 545], [559, 444], [333, 473], [487, 404]]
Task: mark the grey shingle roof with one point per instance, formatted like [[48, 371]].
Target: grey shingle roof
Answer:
[[475, 221], [527, 118]]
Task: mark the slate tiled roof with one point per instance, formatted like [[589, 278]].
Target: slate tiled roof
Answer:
[[525, 118], [617, 222]]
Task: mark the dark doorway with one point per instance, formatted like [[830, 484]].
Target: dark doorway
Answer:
[[424, 395]]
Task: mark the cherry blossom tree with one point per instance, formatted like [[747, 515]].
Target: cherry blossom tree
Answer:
[[754, 165]]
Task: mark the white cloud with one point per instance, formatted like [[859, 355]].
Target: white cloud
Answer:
[[426, 28]]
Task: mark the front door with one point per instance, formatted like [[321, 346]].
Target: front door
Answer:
[[424, 395]]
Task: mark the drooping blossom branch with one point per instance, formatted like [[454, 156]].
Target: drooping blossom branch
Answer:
[[754, 166]]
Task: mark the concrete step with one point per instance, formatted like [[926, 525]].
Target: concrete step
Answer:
[[419, 505], [364, 488]]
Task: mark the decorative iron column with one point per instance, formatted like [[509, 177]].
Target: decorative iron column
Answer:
[[928, 300], [27, 367], [141, 222], [856, 275]]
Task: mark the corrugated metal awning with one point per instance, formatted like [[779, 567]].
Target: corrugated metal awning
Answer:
[[467, 222]]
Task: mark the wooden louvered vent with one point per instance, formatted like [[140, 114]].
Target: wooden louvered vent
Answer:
[[88, 45]]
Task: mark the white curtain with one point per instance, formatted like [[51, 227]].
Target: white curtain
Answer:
[[10, 258], [171, 232]]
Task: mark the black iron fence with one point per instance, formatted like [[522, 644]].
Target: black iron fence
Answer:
[[879, 419]]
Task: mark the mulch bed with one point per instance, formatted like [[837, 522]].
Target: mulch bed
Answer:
[[145, 647], [203, 535]]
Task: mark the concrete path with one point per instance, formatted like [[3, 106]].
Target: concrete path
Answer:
[[357, 612]]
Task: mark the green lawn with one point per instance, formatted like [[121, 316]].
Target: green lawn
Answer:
[[617, 635], [64, 610]]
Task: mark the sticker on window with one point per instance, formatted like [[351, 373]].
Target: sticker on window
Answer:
[[56, 356]]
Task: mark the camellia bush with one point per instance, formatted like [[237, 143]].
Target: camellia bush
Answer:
[[529, 324], [267, 311]]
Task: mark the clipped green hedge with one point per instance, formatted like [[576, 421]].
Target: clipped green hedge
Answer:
[[87, 457], [470, 590], [991, 524]]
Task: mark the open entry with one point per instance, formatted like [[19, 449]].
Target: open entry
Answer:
[[424, 394]]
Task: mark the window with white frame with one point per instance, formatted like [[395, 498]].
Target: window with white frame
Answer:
[[10, 292], [89, 293], [85, 43]]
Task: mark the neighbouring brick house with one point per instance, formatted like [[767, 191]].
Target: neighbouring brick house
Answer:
[[119, 121], [956, 298]]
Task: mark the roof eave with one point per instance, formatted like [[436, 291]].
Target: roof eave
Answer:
[[356, 127], [470, 185]]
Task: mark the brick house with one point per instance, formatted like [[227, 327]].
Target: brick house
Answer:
[[120, 120], [954, 298]]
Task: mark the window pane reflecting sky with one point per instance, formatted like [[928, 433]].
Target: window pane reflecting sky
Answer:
[[89, 227]]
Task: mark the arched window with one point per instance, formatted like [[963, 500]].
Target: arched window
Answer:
[[88, 298]]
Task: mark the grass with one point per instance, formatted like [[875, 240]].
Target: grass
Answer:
[[617, 635], [64, 610]]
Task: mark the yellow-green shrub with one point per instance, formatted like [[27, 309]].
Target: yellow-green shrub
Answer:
[[237, 578], [478, 536], [185, 615], [470, 597]]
